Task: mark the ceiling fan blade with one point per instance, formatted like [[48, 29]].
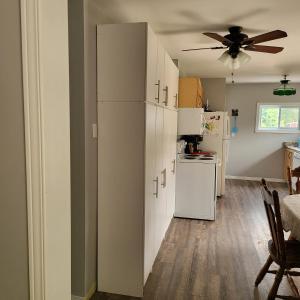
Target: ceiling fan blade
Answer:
[[218, 37], [269, 36], [211, 48], [262, 48]]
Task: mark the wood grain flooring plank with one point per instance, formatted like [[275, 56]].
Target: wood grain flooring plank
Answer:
[[215, 260]]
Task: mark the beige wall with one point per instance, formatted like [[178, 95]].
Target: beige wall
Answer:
[[92, 17], [214, 91], [76, 52], [13, 216], [255, 154], [83, 18]]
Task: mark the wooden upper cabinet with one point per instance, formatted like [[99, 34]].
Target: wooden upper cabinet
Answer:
[[190, 92]]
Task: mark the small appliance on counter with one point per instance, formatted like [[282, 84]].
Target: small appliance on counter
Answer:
[[191, 142]]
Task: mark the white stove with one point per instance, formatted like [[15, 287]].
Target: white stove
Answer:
[[198, 158], [196, 186]]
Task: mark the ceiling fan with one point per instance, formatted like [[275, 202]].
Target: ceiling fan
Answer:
[[237, 40]]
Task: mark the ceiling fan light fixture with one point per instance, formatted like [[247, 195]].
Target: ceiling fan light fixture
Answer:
[[234, 63], [284, 89]]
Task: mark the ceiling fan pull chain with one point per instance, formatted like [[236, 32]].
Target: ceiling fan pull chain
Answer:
[[232, 79]]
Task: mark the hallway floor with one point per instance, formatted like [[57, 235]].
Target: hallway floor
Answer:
[[215, 260]]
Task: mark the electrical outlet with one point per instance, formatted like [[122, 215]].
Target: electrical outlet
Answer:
[[95, 131]]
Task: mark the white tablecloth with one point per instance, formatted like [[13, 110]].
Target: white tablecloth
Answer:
[[290, 214]]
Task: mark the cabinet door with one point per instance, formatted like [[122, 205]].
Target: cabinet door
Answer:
[[170, 121], [153, 85], [173, 153], [172, 76], [163, 180], [167, 88], [174, 87], [160, 73], [151, 189]]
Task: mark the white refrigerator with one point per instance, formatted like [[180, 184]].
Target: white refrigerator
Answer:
[[216, 137]]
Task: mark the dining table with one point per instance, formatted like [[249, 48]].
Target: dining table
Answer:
[[290, 215]]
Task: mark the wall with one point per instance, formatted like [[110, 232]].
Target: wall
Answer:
[[14, 279], [84, 15], [76, 57], [255, 154], [214, 91], [92, 16]]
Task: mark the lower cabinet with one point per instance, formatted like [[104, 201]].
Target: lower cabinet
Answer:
[[136, 191], [288, 161]]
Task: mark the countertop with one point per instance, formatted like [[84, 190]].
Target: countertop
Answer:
[[293, 148]]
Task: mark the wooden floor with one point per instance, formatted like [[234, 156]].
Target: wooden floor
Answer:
[[215, 260]]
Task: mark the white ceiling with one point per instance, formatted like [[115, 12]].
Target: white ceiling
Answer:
[[192, 17]]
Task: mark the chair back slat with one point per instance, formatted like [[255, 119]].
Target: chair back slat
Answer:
[[272, 207], [296, 174]]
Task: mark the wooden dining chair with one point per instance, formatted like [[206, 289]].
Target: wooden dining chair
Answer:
[[290, 174], [285, 253]]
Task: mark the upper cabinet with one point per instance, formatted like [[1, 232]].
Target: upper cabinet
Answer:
[[190, 92], [141, 70], [170, 90]]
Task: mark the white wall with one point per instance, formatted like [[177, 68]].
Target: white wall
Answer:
[[255, 154], [214, 91], [14, 281], [92, 17], [83, 18], [77, 133]]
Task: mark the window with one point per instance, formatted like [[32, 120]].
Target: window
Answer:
[[280, 117]]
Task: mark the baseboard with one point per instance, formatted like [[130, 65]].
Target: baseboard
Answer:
[[254, 178], [89, 294], [91, 291], [77, 298]]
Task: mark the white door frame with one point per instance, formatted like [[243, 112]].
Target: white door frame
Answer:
[[44, 28]]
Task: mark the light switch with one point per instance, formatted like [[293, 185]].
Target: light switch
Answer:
[[95, 131]]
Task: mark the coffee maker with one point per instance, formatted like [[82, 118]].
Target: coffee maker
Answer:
[[192, 143]]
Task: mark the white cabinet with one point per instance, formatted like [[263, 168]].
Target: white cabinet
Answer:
[[190, 121], [153, 80], [151, 190], [170, 88], [136, 149], [170, 136]]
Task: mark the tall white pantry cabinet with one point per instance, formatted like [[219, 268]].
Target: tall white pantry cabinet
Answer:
[[137, 119]]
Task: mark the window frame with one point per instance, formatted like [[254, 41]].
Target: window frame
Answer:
[[280, 105]]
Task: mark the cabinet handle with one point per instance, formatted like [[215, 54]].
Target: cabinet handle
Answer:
[[174, 164], [176, 101], [164, 178], [166, 90], [156, 187], [158, 90]]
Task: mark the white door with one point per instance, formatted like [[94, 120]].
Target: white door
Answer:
[[152, 79]]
